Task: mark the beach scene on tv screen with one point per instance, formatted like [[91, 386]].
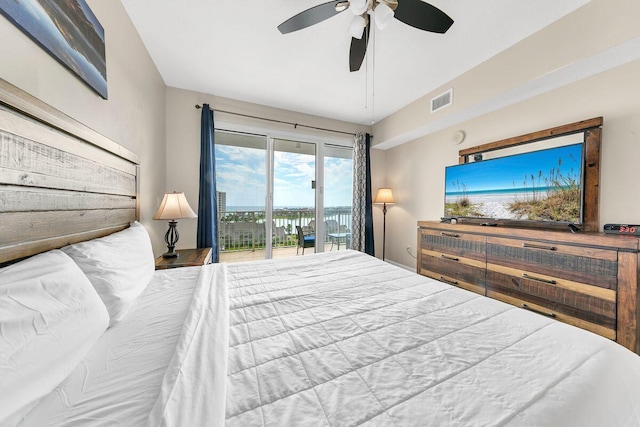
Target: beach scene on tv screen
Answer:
[[543, 185]]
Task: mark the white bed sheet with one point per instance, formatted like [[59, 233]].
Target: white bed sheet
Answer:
[[118, 382], [194, 386]]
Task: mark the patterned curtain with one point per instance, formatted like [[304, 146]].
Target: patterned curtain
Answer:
[[208, 200], [362, 215]]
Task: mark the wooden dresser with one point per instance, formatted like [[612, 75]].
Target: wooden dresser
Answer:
[[589, 280]]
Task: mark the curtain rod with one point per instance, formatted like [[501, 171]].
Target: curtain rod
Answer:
[[295, 125]]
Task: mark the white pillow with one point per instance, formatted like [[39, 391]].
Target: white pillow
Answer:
[[50, 316], [119, 266]]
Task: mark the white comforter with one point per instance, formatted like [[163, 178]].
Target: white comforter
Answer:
[[341, 339]]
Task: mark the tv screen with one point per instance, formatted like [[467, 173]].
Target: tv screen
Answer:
[[543, 185]]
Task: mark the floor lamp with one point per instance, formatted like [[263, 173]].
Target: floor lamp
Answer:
[[384, 197]]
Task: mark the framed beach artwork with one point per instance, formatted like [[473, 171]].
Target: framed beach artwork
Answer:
[[69, 31]]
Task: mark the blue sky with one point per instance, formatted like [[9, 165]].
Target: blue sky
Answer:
[[509, 172], [241, 173]]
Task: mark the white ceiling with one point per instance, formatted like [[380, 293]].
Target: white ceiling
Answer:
[[232, 48]]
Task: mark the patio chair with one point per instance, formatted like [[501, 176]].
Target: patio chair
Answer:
[[304, 241], [278, 233], [335, 232], [332, 226]]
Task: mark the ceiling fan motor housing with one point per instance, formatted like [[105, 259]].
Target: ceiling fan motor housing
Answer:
[[392, 4], [359, 7]]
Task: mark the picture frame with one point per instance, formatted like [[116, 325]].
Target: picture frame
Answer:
[[69, 31]]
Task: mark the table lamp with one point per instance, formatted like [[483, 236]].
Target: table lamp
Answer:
[[384, 197], [174, 206]]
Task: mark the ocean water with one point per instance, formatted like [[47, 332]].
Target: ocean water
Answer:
[[520, 191]]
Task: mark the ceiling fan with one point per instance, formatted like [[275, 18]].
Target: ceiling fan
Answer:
[[415, 13]]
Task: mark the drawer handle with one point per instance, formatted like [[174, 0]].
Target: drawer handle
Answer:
[[442, 233], [450, 258], [538, 279], [546, 248], [451, 282], [544, 313]]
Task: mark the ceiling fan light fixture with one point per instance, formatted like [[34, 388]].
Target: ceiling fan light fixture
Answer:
[[358, 7], [356, 28], [342, 6], [383, 15]]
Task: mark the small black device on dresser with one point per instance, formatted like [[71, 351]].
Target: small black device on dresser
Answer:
[[622, 229]]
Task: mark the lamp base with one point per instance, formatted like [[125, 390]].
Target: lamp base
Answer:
[[170, 255], [171, 238]]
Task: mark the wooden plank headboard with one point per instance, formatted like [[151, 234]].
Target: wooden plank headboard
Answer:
[[60, 181]]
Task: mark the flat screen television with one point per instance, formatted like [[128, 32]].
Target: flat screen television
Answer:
[[544, 185]]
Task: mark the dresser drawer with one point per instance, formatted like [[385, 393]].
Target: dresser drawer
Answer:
[[593, 266], [545, 310], [469, 246], [462, 272], [580, 304]]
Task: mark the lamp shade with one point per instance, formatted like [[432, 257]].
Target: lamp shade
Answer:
[[174, 206], [384, 195]]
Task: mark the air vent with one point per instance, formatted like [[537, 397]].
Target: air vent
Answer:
[[441, 101]]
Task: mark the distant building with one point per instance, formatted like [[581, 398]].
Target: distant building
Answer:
[[222, 201]]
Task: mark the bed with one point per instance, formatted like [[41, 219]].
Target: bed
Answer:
[[92, 335]]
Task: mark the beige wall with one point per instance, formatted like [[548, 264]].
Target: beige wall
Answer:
[[415, 170], [581, 43], [595, 28], [133, 116], [183, 139]]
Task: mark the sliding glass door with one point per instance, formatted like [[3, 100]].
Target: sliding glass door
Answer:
[[272, 198], [338, 179], [241, 181], [294, 196]]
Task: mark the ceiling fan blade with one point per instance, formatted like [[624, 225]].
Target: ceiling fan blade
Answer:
[[359, 49], [310, 17], [423, 16]]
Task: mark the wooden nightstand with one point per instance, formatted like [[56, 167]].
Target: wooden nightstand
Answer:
[[186, 258]]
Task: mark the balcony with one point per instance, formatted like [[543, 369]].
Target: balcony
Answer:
[[242, 234]]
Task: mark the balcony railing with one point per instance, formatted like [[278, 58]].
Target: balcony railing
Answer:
[[246, 230]]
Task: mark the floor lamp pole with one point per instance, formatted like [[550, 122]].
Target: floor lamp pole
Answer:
[[384, 228], [383, 197]]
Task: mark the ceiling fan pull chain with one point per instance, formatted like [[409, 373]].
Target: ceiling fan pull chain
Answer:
[[373, 77]]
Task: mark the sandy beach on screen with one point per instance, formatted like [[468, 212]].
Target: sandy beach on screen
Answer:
[[492, 205]]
